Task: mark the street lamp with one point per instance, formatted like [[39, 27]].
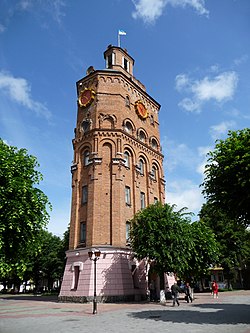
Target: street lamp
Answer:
[[94, 255]]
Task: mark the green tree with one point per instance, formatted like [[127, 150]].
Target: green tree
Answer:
[[205, 251], [227, 176], [232, 238], [48, 264], [161, 234], [23, 209]]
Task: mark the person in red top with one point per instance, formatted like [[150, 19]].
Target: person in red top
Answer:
[[215, 289]]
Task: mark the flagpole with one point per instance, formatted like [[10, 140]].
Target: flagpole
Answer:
[[120, 33]]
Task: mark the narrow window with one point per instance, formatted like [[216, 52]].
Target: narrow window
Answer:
[[126, 158], [154, 144], [153, 172], [126, 64], [155, 200], [142, 136], [127, 195], [127, 232], [141, 167], [143, 204], [85, 194], [83, 232], [76, 277], [86, 158], [109, 61]]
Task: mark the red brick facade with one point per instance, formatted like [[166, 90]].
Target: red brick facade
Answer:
[[118, 164], [106, 129]]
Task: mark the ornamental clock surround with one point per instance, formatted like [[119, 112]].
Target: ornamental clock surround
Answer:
[[86, 97]]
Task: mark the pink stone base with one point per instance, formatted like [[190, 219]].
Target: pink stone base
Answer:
[[114, 277]]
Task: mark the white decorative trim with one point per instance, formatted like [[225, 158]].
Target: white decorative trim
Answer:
[[77, 263]]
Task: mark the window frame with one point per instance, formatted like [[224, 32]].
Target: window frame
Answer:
[[83, 232], [141, 166], [84, 194], [86, 155], [127, 195], [143, 200], [127, 159]]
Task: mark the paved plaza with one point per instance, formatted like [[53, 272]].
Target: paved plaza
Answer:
[[41, 314]]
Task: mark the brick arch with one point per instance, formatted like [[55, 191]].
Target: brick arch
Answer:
[[82, 148], [107, 141], [157, 166], [131, 152], [132, 124], [139, 130], [107, 121], [153, 138]]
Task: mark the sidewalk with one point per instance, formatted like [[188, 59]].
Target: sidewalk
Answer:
[[41, 314]]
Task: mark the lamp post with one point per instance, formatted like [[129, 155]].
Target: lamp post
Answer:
[[94, 256]]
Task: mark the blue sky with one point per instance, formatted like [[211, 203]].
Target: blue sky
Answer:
[[192, 55]]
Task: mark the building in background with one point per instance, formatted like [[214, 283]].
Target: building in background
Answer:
[[117, 170]]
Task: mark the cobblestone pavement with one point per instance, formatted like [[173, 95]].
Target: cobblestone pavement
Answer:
[[40, 314]]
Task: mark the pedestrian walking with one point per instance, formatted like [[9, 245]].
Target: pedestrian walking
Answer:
[[175, 290], [215, 289], [188, 293]]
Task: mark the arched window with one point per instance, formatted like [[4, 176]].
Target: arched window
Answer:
[[127, 159], [141, 166], [128, 127], [154, 144], [86, 158], [153, 172], [142, 136], [85, 126]]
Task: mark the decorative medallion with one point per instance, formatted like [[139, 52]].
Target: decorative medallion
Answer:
[[86, 97], [141, 109]]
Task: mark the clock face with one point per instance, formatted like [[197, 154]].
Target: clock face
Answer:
[[86, 97], [141, 109]]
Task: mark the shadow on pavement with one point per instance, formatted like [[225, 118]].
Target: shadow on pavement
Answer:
[[29, 297], [200, 314]]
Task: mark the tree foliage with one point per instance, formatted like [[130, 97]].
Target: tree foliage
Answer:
[[23, 208], [205, 249], [227, 176], [232, 238], [166, 236], [49, 263]]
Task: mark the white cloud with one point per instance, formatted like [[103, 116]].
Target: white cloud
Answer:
[[177, 154], [150, 10], [220, 88], [241, 60], [19, 91], [182, 81], [198, 5], [190, 105], [219, 130], [184, 193], [181, 164]]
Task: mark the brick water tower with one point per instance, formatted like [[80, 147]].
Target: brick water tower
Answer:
[[117, 170]]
